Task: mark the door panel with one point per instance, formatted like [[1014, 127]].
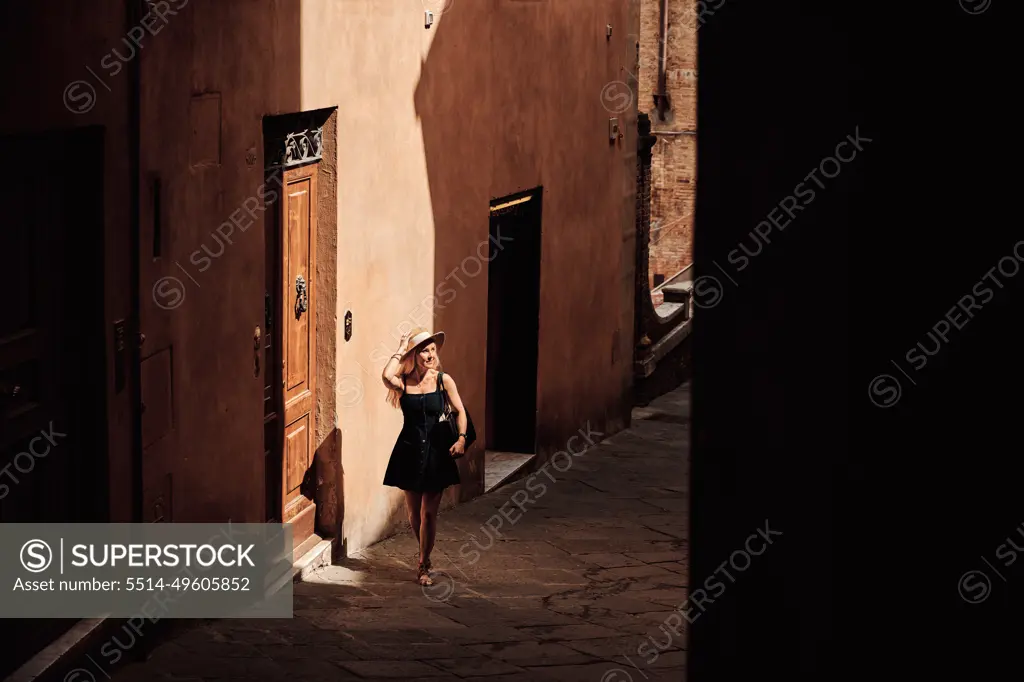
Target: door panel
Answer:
[[25, 344], [297, 216], [52, 350], [297, 258], [156, 376], [296, 454]]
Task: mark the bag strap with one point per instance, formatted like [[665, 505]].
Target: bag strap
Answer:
[[446, 405]]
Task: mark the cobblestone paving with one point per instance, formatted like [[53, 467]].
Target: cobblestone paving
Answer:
[[570, 574]]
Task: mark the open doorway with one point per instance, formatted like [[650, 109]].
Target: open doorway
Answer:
[[513, 316]]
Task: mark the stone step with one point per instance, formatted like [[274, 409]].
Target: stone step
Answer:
[[501, 468], [309, 556], [678, 292], [667, 309]]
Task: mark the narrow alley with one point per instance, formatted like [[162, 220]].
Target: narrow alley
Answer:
[[562, 575]]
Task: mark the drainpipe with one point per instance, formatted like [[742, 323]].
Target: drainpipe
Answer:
[[661, 102]]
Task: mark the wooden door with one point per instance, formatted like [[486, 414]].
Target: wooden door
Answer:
[[53, 423], [297, 338], [52, 362]]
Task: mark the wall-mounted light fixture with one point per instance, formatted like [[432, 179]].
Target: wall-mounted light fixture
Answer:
[[428, 19], [509, 204]]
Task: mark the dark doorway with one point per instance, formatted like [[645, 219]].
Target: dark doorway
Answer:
[[513, 314], [53, 388]]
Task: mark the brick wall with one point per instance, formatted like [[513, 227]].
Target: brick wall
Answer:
[[674, 165]]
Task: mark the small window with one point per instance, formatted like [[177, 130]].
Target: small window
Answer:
[[658, 279]]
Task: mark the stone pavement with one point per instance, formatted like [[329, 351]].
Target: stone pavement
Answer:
[[565, 575]]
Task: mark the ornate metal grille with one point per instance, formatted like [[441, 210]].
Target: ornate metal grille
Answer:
[[299, 148]]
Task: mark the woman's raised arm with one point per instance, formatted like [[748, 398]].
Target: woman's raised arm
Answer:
[[390, 373]]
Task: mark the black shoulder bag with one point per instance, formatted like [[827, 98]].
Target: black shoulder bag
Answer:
[[448, 423]]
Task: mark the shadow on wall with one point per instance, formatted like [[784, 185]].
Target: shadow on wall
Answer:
[[493, 115], [453, 101]]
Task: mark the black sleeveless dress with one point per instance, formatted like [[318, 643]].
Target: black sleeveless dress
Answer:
[[417, 463]]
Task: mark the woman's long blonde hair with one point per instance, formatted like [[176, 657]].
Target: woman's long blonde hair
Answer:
[[405, 369]]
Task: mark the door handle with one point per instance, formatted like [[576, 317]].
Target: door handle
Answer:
[[9, 395], [257, 337], [301, 296]]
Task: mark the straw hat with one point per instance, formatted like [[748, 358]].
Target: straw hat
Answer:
[[421, 337]]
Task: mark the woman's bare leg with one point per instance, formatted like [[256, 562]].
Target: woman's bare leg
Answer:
[[413, 503], [428, 519]]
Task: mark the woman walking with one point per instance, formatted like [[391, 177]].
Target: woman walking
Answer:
[[419, 465]]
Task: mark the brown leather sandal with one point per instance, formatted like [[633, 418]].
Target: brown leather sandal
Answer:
[[423, 575]]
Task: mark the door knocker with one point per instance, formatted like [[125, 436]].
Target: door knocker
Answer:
[[301, 297]]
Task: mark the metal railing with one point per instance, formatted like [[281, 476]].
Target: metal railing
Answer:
[[671, 279]]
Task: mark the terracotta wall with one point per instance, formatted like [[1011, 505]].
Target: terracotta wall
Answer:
[[207, 81], [674, 162], [67, 75], [498, 96]]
